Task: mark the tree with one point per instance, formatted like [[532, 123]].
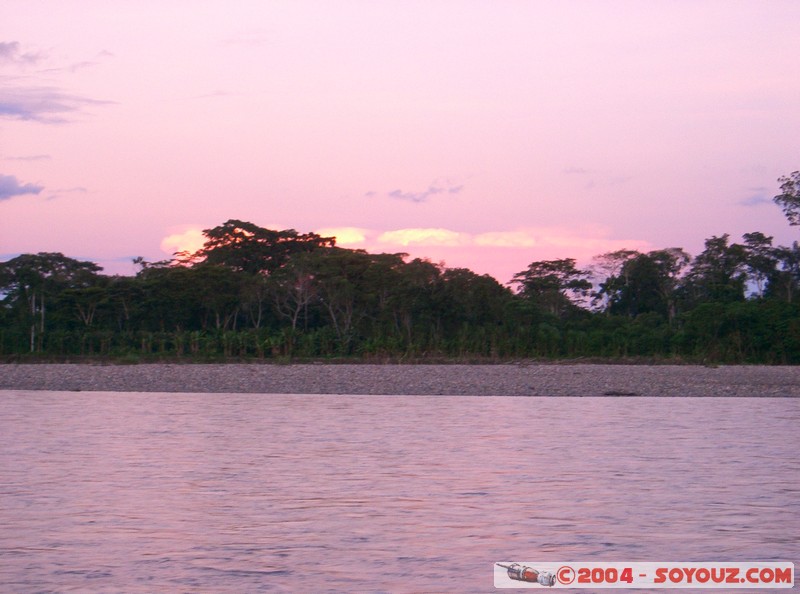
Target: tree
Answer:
[[552, 284], [718, 273], [252, 249], [608, 266], [646, 283], [218, 291], [784, 281], [472, 298], [417, 302], [168, 298], [760, 259], [32, 283], [339, 279], [255, 294], [789, 198], [293, 290]]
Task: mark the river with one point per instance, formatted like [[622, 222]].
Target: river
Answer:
[[163, 492]]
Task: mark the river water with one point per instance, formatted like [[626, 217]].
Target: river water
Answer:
[[135, 492]]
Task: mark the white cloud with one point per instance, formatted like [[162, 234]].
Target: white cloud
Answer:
[[577, 242], [189, 240], [424, 236], [345, 236]]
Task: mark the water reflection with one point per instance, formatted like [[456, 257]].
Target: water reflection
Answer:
[[242, 492]]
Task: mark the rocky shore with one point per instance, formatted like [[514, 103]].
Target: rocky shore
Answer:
[[511, 379]]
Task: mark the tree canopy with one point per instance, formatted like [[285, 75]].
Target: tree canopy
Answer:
[[260, 293], [249, 248], [789, 198]]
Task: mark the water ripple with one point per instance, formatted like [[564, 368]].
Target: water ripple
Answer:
[[233, 492]]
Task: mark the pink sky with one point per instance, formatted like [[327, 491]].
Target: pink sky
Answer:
[[485, 134]]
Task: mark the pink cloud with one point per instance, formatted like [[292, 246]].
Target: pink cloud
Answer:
[[189, 240], [498, 253], [424, 237], [345, 236]]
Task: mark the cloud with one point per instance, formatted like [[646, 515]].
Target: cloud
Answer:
[[57, 193], [10, 53], [755, 201], [506, 239], [8, 49], [23, 98], [47, 105], [28, 158], [424, 236], [437, 187], [345, 235], [499, 253], [592, 179], [10, 187], [189, 240], [585, 240], [757, 197], [576, 171], [580, 240], [72, 68]]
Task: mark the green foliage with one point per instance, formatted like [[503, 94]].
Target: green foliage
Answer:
[[645, 283], [551, 283], [718, 273], [252, 293]]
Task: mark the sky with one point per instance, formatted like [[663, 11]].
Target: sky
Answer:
[[485, 134]]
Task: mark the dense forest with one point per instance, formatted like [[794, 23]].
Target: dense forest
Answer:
[[252, 292]]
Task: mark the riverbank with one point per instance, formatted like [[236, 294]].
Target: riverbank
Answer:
[[512, 379]]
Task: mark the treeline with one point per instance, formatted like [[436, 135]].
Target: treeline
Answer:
[[257, 293]]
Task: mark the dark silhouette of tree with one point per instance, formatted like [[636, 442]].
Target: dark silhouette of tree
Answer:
[[293, 289], [610, 268], [647, 283], [246, 247], [552, 284], [789, 198], [474, 299], [253, 292], [718, 273], [760, 259], [339, 277], [784, 281]]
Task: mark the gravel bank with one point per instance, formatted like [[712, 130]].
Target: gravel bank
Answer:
[[514, 379]]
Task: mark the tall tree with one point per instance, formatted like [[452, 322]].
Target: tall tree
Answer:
[[606, 269], [718, 273], [252, 249], [647, 283], [415, 302], [553, 284], [784, 282], [760, 259], [472, 298], [789, 198], [339, 277]]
